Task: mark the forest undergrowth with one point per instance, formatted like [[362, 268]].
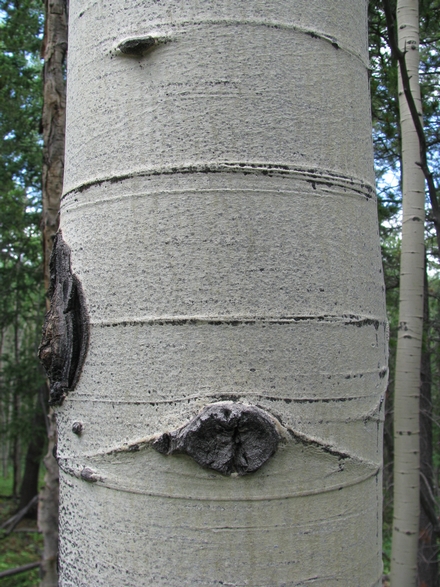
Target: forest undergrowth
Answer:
[[22, 546]]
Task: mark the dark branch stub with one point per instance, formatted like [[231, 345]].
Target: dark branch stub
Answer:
[[137, 46], [140, 46], [77, 428], [226, 437], [65, 332]]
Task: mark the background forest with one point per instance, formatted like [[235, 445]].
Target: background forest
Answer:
[[23, 402]]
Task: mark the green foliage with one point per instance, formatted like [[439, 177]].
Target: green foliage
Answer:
[[21, 282], [385, 109], [21, 549], [385, 114], [386, 548], [20, 94], [386, 136]]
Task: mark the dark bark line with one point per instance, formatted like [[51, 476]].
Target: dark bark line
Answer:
[[429, 532], [416, 116], [346, 319], [312, 176], [230, 397], [54, 51]]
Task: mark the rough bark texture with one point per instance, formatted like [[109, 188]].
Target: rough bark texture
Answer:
[[53, 121], [220, 209], [53, 126], [66, 330], [409, 343]]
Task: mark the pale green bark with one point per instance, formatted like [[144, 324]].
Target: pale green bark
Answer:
[[409, 345], [220, 209]]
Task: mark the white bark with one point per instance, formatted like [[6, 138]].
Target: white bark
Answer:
[[220, 208], [409, 344]]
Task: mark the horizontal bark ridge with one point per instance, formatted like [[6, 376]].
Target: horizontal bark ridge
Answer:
[[312, 175]]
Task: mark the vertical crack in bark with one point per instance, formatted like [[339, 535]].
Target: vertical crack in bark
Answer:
[[65, 332]]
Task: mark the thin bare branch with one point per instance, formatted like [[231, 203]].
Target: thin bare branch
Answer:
[[17, 570], [10, 524]]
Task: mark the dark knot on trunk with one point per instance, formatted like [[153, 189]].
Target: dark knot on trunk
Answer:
[[65, 332], [227, 437]]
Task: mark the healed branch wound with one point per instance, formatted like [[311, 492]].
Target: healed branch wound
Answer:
[[226, 437], [66, 327], [140, 46]]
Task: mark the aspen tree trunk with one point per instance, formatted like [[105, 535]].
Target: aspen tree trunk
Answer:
[[220, 221], [409, 342]]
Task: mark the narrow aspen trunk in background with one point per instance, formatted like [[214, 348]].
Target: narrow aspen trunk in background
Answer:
[[53, 124], [409, 343], [220, 211]]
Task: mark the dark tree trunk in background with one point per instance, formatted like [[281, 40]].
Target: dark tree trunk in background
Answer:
[[29, 484], [428, 551], [54, 108], [54, 52], [16, 445]]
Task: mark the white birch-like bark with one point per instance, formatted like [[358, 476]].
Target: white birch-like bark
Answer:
[[220, 209], [409, 342]]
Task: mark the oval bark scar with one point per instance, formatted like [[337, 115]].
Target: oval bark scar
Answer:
[[66, 327], [139, 46], [226, 437]]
